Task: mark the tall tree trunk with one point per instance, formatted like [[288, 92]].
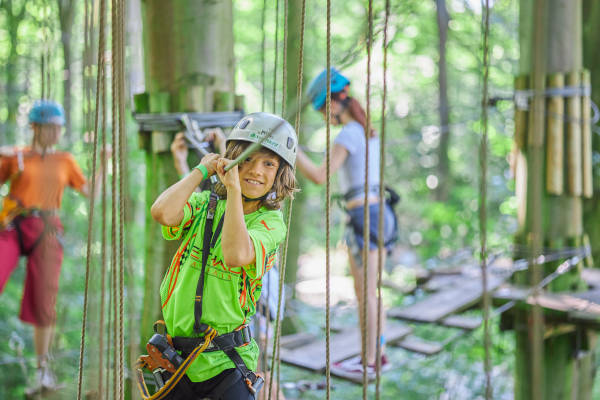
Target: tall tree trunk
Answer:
[[14, 19], [591, 61], [443, 166], [136, 54], [66, 12], [188, 48], [557, 367]]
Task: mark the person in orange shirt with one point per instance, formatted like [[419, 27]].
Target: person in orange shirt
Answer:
[[30, 226]]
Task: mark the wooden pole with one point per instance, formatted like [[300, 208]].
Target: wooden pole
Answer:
[[521, 83], [574, 165], [554, 139]]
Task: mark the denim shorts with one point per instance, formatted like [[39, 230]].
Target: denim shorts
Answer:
[[354, 233]]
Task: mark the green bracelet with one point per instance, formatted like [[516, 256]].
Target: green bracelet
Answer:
[[202, 168]]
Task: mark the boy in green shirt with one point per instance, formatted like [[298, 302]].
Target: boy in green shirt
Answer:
[[247, 231]]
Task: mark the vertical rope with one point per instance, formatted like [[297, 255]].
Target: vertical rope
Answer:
[[262, 56], [366, 231], [115, 266], [284, 73], [122, 144], [328, 206], [99, 80], [483, 149], [275, 352], [276, 56], [381, 204], [104, 198]]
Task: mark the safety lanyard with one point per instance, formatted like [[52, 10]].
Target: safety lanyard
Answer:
[[208, 243]]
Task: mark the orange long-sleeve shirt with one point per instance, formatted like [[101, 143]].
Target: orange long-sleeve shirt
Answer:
[[40, 181]]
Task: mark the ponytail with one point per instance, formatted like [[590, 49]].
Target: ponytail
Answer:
[[355, 109]]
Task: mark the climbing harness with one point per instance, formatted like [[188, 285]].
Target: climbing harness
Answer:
[[166, 365]]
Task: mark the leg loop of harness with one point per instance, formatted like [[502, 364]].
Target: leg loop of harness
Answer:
[[162, 360], [227, 344]]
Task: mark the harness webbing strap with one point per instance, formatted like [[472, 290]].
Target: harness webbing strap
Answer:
[[208, 241]]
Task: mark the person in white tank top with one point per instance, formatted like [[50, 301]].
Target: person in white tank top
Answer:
[[348, 157]]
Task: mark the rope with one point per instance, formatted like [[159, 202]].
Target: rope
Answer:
[[381, 205], [275, 352], [122, 144], [483, 202], [366, 230], [284, 68], [262, 56], [276, 54], [99, 81], [283, 110], [114, 52], [104, 198], [328, 205]]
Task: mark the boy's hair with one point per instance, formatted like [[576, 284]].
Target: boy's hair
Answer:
[[284, 185]]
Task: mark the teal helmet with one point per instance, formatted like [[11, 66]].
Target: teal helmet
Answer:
[[254, 127], [317, 89], [47, 112]]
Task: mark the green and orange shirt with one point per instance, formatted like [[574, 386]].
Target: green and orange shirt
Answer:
[[230, 293]]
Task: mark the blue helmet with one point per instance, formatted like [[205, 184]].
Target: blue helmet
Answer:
[[47, 112], [317, 89]]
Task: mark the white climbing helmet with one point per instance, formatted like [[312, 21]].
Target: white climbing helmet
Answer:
[[254, 127]]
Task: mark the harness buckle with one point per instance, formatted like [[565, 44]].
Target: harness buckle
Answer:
[[258, 384]]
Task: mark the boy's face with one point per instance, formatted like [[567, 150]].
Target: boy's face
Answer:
[[47, 134], [258, 173]]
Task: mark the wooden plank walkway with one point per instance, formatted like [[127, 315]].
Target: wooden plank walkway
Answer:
[[462, 322], [582, 307], [418, 345], [342, 346], [450, 301]]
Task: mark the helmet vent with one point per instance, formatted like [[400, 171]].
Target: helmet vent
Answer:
[[244, 123], [290, 143]]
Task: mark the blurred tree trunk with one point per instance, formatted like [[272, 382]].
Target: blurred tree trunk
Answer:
[[188, 56], [66, 12], [135, 82], [558, 366], [591, 61], [295, 230], [14, 18], [443, 166]]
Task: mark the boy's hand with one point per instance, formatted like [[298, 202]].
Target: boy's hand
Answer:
[[210, 162], [179, 147], [231, 178], [216, 136]]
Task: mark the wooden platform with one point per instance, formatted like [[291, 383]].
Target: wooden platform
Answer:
[[440, 305], [343, 345], [421, 346], [583, 307]]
